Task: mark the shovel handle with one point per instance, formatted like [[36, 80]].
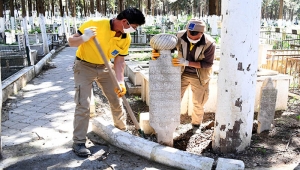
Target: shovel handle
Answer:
[[116, 84]]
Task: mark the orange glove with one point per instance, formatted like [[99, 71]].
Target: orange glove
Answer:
[[155, 54], [122, 92], [180, 62]]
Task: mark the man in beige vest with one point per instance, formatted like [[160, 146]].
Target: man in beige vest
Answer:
[[196, 51]]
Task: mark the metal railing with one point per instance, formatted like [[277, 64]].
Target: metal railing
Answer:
[[281, 40], [285, 62]]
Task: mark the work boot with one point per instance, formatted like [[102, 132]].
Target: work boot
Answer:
[[196, 129], [81, 150]]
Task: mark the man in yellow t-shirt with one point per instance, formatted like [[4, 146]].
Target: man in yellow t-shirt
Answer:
[[114, 38]]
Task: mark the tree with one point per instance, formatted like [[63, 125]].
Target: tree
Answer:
[[121, 8], [98, 6], [12, 14], [28, 51], [41, 9], [237, 75], [92, 7]]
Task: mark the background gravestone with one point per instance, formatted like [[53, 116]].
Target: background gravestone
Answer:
[[267, 105]]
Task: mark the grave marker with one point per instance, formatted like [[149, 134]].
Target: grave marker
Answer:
[[267, 105]]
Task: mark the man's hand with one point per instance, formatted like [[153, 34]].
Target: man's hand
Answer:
[[180, 62], [155, 54], [88, 33], [122, 92]]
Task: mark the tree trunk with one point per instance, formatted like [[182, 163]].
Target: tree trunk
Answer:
[[36, 7], [105, 7], [12, 14], [30, 13], [140, 5], [41, 9], [2, 28], [98, 6], [237, 75], [292, 14], [29, 7], [28, 50], [218, 7], [52, 8], [120, 6], [92, 7], [73, 13], [84, 8], [280, 9], [149, 7], [212, 7], [2, 25], [152, 7], [61, 9], [62, 16]]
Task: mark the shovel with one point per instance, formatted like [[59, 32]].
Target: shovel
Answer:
[[116, 84]]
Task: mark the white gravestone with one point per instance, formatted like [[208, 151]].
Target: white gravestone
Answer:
[[165, 87], [267, 106]]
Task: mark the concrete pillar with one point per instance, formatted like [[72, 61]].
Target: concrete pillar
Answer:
[[237, 75]]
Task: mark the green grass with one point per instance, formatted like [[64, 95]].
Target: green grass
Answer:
[[298, 117], [262, 150]]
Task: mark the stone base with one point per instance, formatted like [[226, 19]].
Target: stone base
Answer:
[[145, 124]]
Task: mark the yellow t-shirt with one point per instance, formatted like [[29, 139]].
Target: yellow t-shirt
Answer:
[[111, 46]]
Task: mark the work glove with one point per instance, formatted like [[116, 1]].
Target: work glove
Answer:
[[88, 33], [180, 62], [122, 92], [155, 54]]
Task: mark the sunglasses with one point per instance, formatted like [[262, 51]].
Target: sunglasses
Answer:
[[193, 33]]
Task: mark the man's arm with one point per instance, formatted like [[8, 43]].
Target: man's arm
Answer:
[[209, 54], [208, 61], [75, 40], [79, 38], [119, 65]]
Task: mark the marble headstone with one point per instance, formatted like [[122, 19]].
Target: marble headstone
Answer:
[[165, 87], [267, 106]]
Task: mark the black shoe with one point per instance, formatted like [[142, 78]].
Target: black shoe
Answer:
[[195, 126], [196, 129], [81, 150]]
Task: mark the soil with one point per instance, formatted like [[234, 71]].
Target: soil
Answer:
[[280, 145]]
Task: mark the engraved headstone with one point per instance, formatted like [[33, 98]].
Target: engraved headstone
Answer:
[[267, 106], [165, 87], [21, 42]]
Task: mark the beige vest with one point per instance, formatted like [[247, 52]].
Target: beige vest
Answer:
[[204, 74]]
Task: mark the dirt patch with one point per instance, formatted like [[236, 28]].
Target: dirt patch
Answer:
[[280, 145]]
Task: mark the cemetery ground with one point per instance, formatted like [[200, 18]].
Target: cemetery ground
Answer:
[[274, 148]]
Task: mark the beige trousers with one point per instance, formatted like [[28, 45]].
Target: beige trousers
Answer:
[[200, 96], [84, 75]]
